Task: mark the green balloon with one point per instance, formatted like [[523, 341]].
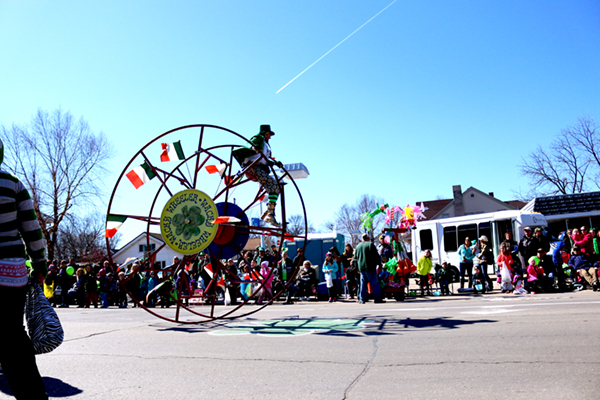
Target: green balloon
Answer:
[[535, 259], [70, 270], [28, 264]]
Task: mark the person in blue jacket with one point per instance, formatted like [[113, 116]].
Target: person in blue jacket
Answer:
[[330, 269]]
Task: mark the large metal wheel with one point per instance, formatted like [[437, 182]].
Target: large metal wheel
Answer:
[[232, 192]]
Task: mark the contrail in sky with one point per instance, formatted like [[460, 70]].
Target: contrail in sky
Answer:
[[333, 48]]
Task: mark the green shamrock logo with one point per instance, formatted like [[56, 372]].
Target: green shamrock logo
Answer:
[[188, 222]]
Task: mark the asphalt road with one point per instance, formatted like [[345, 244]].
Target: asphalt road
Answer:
[[494, 347]]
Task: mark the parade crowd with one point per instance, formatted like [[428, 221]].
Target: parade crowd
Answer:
[[530, 266]]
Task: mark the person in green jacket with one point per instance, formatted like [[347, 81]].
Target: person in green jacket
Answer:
[[259, 156], [367, 259], [423, 269]]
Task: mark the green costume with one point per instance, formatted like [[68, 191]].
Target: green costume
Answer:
[[259, 153]]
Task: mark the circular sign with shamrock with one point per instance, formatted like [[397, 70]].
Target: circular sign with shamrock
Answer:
[[186, 222]]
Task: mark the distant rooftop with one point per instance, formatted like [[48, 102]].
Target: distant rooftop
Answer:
[[565, 203]]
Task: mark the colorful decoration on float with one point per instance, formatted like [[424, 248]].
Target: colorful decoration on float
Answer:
[[367, 218]]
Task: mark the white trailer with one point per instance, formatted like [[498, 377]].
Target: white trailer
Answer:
[[444, 236]]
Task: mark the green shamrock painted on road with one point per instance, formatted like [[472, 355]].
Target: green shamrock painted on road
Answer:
[[292, 326], [188, 222]]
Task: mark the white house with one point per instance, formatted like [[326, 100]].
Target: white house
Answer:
[[139, 247]]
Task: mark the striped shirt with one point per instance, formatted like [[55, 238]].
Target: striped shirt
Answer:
[[20, 233]]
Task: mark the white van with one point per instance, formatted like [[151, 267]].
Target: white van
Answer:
[[444, 236]]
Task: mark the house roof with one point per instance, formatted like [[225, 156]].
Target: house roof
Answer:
[[436, 207], [518, 204], [565, 204]]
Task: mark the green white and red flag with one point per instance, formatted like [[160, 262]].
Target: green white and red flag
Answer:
[[113, 223], [140, 175], [171, 151], [216, 168]]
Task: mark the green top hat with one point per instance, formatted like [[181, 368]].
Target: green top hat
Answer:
[[265, 129]]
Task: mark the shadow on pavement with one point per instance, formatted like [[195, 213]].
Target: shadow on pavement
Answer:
[[365, 326], [54, 387]]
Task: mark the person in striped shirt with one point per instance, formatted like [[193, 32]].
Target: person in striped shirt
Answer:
[[20, 239]]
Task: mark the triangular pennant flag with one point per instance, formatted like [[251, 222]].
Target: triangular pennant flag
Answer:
[[209, 270], [140, 175], [225, 220], [216, 168], [171, 151], [113, 223]]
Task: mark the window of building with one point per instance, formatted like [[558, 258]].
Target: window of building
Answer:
[[143, 248]]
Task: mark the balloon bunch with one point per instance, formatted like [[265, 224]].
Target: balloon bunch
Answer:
[[367, 218], [411, 214]]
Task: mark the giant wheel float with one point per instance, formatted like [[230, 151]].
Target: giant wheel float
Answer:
[[196, 211]]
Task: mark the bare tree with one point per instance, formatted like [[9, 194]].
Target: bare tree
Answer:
[[62, 162], [348, 217], [297, 226], [83, 239], [564, 168], [328, 226]]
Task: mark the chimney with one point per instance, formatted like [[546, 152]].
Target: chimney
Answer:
[[491, 194], [459, 205]]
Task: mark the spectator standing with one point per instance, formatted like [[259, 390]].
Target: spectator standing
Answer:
[[541, 241], [444, 278], [527, 247], [77, 292], [505, 263], [465, 254], [346, 270], [485, 258], [424, 266], [151, 295], [367, 259], [52, 283], [586, 242], [104, 288], [330, 268], [21, 238], [65, 282], [91, 288]]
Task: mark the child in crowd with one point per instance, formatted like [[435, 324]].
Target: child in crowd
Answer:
[[91, 287], [478, 281], [267, 277], [120, 291], [444, 277], [104, 287], [330, 269], [534, 275], [505, 263], [245, 286]]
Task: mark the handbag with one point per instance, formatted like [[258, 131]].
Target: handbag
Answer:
[[43, 325], [58, 291]]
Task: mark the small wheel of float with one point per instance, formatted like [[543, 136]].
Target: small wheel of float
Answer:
[[188, 197]]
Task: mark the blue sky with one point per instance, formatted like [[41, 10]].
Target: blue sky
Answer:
[[428, 95]]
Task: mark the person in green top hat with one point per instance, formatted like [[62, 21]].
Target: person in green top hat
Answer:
[[258, 154]]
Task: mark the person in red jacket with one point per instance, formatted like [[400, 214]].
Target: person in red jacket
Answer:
[[586, 243]]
